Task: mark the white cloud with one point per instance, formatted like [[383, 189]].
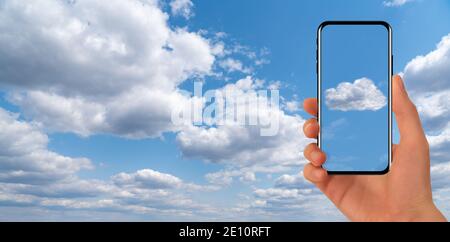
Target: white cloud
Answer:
[[395, 3], [440, 145], [276, 85], [248, 177], [242, 146], [246, 84], [72, 187], [139, 113], [67, 114], [360, 95], [33, 176], [233, 65], [223, 177], [144, 192], [106, 74], [182, 8], [147, 178], [292, 199], [226, 177], [440, 174], [434, 109], [436, 141], [24, 157], [293, 204], [293, 106], [292, 182], [430, 72], [276, 193], [427, 77], [101, 73], [151, 179]]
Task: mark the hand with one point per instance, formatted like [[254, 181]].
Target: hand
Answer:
[[403, 194]]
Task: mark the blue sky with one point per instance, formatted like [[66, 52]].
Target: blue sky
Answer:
[[87, 90]]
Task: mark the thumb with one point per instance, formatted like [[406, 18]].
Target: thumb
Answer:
[[406, 114]]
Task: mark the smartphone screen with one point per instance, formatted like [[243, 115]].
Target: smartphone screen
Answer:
[[354, 96]]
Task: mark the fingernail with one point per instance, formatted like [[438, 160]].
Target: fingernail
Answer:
[[401, 85]]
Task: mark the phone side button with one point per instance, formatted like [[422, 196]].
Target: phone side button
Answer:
[[392, 64]]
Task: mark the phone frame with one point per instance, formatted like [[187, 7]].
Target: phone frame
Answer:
[[319, 86]]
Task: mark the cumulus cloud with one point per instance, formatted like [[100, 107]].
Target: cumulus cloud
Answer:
[[293, 204], [226, 177], [275, 193], [434, 109], [223, 177], [440, 174], [437, 141], [33, 176], [144, 192], [101, 73], [75, 38], [138, 113], [440, 145], [182, 8], [293, 106], [233, 65], [395, 3], [430, 72], [106, 74], [25, 158], [292, 198], [360, 95], [147, 178], [242, 146], [427, 77], [292, 182], [83, 68]]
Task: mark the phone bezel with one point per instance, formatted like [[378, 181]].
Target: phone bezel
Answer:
[[319, 95]]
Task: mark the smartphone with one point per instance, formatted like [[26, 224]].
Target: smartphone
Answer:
[[354, 76]]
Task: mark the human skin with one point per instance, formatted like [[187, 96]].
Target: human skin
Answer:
[[403, 194]]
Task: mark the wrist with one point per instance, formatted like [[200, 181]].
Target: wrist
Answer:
[[426, 212], [429, 213]]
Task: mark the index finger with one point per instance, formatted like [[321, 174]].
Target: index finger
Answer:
[[310, 106]]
